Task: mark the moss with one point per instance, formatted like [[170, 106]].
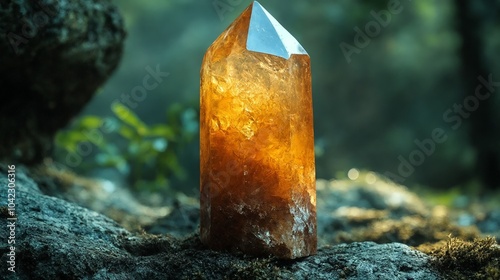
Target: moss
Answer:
[[459, 259], [411, 230], [414, 230], [189, 259], [255, 269]]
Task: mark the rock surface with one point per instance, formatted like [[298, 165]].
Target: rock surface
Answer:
[[348, 210], [56, 239], [490, 224], [54, 55], [380, 211]]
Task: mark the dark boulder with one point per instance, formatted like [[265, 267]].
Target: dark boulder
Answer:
[[54, 54]]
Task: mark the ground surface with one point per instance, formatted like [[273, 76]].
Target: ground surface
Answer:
[[57, 239]]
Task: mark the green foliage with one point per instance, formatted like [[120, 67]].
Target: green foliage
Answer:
[[446, 197], [450, 196], [146, 154]]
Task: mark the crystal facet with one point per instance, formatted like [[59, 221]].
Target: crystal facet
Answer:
[[258, 192]]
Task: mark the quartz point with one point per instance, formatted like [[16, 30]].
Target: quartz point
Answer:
[[257, 177]]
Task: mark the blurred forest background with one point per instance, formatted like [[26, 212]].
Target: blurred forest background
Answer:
[[394, 90]]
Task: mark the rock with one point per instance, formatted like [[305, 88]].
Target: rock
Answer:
[[382, 212], [182, 221], [365, 260], [377, 195], [490, 224], [54, 55], [103, 196], [56, 239], [368, 219]]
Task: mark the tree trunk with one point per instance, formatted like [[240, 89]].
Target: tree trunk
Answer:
[[483, 132]]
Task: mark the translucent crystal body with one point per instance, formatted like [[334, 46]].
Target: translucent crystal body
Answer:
[[258, 191]]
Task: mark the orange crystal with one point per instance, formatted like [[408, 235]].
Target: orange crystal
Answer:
[[258, 193]]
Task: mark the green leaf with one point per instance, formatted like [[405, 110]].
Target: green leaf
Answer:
[[128, 133], [133, 149], [145, 147], [161, 130], [129, 117], [90, 122], [62, 140], [110, 149], [170, 161], [69, 140]]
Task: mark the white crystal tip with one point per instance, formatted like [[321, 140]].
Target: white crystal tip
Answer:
[[267, 35]]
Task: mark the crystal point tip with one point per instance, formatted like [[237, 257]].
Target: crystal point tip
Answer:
[[267, 35]]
